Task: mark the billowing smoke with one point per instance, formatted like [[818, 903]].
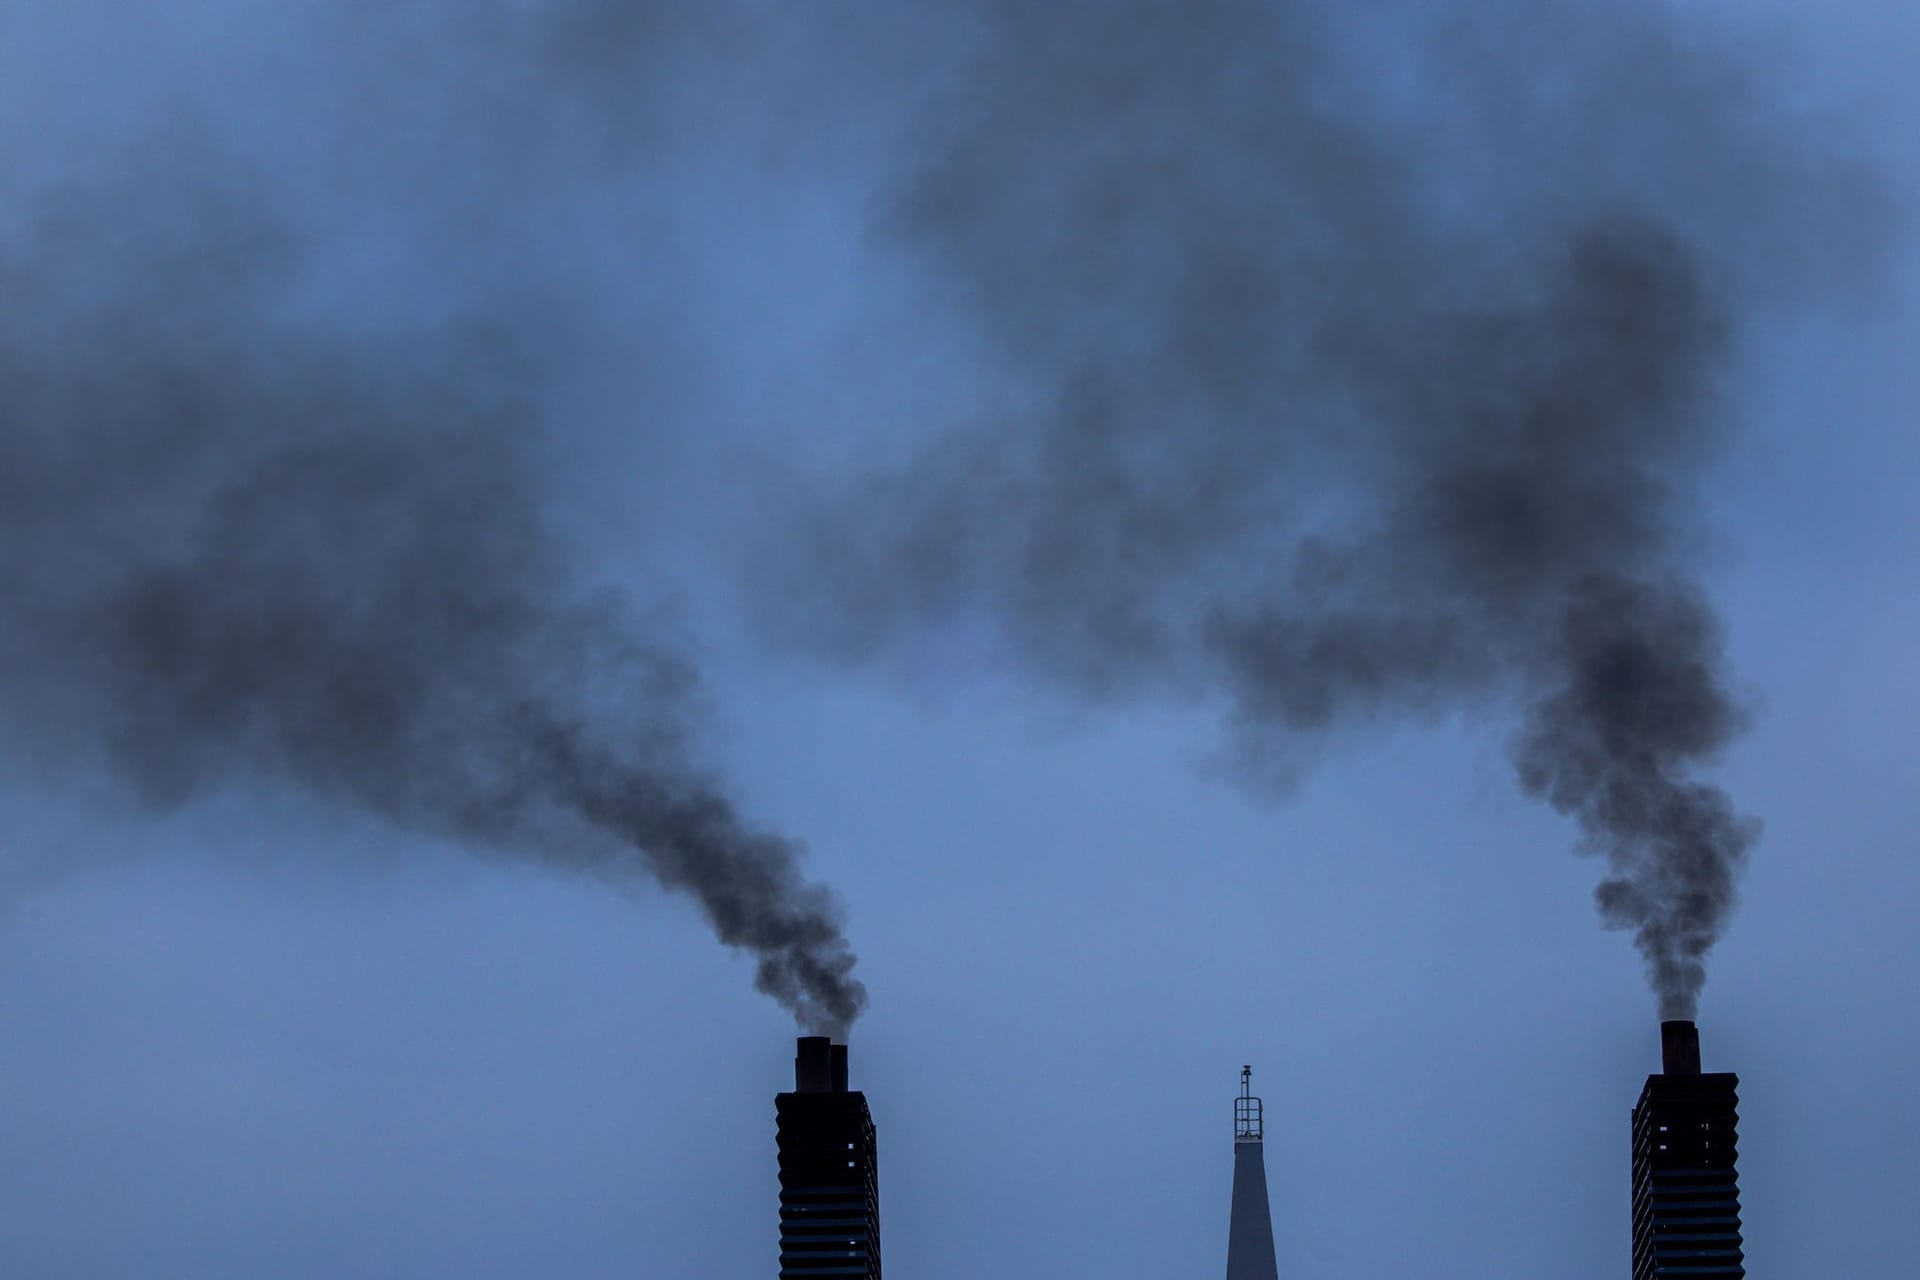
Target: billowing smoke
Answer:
[[1356, 364], [1640, 703], [242, 544], [1337, 364]]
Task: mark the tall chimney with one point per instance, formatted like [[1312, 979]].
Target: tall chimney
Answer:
[[829, 1170], [1686, 1192]]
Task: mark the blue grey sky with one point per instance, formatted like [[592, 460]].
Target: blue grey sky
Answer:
[[266, 1033]]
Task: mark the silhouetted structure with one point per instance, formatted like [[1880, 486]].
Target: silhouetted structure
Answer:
[[1686, 1193], [829, 1175], [1250, 1231]]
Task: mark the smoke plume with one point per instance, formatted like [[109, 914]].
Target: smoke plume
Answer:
[[239, 547], [1333, 364], [1351, 367]]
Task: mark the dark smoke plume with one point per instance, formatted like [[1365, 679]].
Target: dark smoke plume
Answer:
[[1358, 363], [237, 547]]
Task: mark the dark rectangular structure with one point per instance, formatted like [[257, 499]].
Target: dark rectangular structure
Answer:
[[829, 1170], [1686, 1192]]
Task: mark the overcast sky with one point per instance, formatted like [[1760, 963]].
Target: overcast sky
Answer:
[[257, 1023]]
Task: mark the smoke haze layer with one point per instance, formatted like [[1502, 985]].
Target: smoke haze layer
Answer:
[[1353, 367], [238, 548], [1343, 366]]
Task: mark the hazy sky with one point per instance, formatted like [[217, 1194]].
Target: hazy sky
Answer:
[[663, 283]]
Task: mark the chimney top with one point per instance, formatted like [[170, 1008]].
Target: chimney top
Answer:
[[1680, 1048], [819, 1066]]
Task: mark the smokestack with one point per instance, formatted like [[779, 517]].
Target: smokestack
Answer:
[[1686, 1190], [1680, 1048], [829, 1170]]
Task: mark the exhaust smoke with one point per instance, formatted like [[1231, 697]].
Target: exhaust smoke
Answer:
[[237, 551], [1340, 380]]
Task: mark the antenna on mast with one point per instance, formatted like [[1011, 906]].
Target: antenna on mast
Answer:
[[1248, 1125]]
